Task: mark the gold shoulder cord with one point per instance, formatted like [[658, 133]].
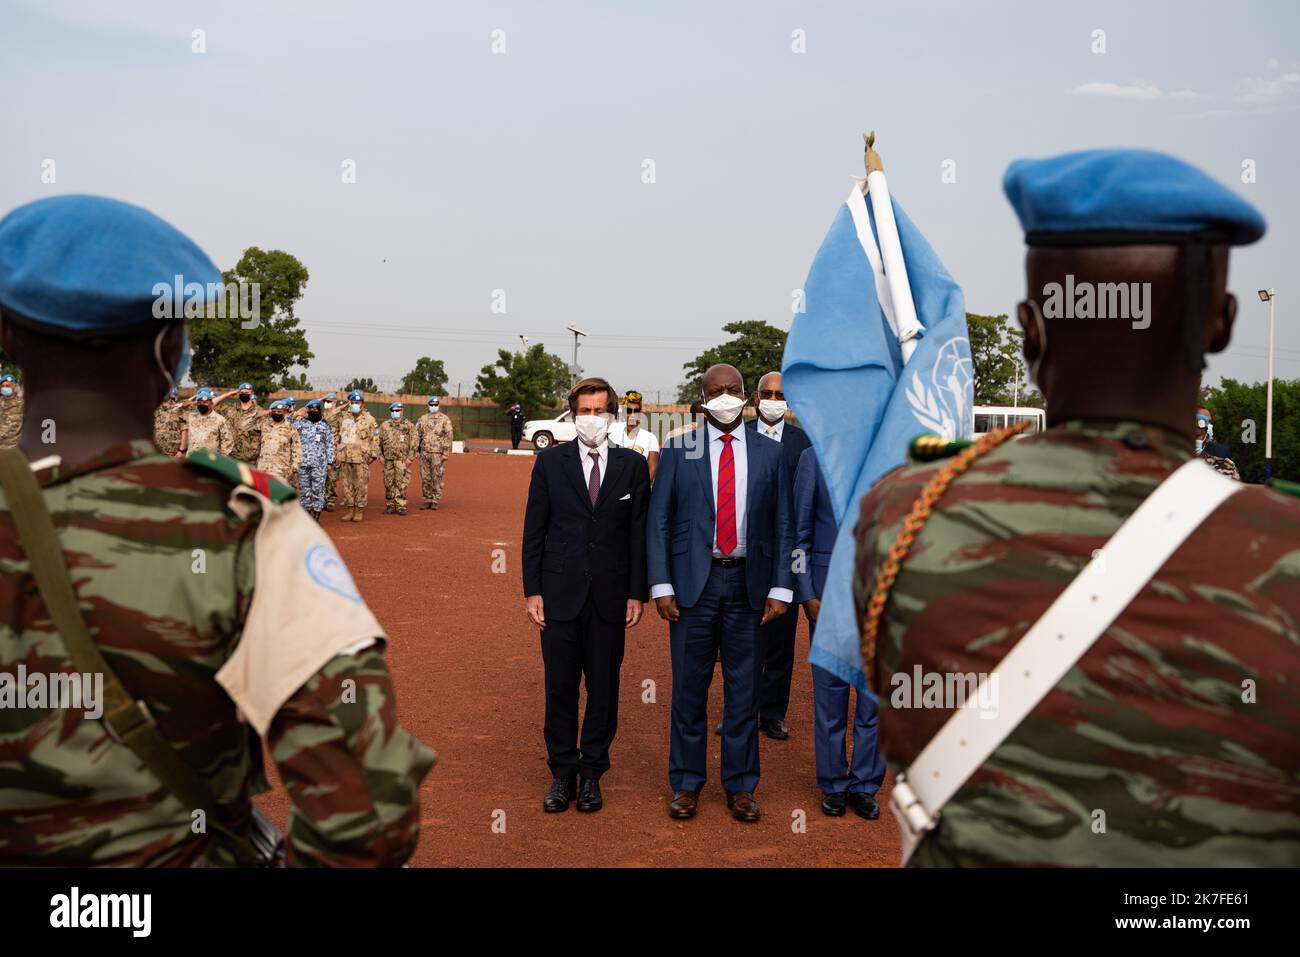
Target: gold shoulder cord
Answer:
[[912, 526]]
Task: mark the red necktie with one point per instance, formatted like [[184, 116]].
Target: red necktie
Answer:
[[727, 497]]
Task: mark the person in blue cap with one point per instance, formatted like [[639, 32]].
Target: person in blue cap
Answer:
[[1159, 725], [245, 420], [330, 411], [11, 411], [317, 439], [398, 442], [205, 428], [357, 447], [195, 668]]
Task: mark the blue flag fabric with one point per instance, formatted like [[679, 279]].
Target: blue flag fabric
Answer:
[[844, 376]]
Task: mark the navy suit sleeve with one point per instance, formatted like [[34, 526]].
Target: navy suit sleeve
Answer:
[[657, 524], [537, 516], [783, 575], [805, 515], [637, 586]]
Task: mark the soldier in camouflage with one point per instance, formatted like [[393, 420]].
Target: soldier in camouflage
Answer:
[[281, 451], [246, 421], [1179, 729], [397, 444], [434, 443], [205, 428], [317, 439], [1214, 454], [167, 423], [356, 448], [330, 412], [218, 661], [11, 411]]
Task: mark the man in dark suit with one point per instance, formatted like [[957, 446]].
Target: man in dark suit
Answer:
[[777, 636], [584, 561], [718, 549], [814, 537]]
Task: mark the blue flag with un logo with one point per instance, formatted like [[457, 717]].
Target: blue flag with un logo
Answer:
[[844, 376]]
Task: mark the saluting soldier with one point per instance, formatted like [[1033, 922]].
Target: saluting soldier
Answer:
[[1147, 715], [167, 423], [281, 450], [195, 666], [245, 420], [11, 411], [317, 439], [397, 443], [357, 447], [330, 412], [435, 438], [205, 428]]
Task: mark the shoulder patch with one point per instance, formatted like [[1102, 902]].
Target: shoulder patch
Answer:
[[1285, 487], [240, 473], [931, 448]]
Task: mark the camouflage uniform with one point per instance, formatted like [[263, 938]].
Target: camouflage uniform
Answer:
[[317, 440], [208, 432], [167, 420], [281, 451], [1149, 726], [435, 437], [358, 443], [397, 443], [332, 471], [1216, 456], [246, 426], [132, 518], [11, 419]]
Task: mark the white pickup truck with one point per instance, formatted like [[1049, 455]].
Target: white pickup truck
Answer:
[[544, 433]]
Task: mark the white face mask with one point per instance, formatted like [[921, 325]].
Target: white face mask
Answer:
[[772, 409], [592, 429], [725, 408]]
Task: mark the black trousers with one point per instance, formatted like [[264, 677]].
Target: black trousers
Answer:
[[515, 439], [777, 640], [585, 647]]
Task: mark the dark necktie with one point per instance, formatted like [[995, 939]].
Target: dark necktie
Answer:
[[593, 483], [727, 497]]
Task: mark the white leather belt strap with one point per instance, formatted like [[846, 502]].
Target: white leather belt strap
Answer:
[[1096, 597]]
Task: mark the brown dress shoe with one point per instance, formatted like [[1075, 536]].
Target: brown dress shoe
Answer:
[[684, 806], [743, 806], [356, 515]]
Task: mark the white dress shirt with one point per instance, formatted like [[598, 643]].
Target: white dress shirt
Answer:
[[778, 428], [741, 459], [584, 453]]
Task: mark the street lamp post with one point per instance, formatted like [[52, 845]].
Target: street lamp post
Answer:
[[1269, 296]]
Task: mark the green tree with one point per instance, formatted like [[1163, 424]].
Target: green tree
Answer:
[[536, 379], [296, 382], [1238, 413], [226, 353], [366, 384], [427, 378], [995, 349], [756, 350]]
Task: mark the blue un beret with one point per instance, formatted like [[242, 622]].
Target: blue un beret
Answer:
[[1104, 197], [87, 266]]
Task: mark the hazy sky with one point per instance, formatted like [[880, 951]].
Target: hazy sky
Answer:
[[522, 171]]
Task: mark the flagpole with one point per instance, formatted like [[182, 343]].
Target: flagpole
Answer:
[[910, 329]]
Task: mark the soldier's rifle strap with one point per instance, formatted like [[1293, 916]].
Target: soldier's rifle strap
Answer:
[[1052, 646], [128, 719]]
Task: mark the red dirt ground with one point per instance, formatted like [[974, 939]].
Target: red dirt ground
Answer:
[[468, 671]]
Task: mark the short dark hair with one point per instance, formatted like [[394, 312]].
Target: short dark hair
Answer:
[[589, 386]]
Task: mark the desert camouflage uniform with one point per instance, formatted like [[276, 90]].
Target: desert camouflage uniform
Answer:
[[317, 440], [358, 443], [435, 437], [208, 432], [332, 471], [1217, 457], [246, 427], [1149, 726], [11, 420], [130, 522], [397, 443], [281, 450], [167, 421]]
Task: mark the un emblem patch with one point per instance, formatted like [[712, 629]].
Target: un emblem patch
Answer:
[[327, 570]]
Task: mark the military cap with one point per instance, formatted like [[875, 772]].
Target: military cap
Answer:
[[355, 396], [1104, 197], [331, 396], [203, 393], [289, 401], [313, 403], [434, 400], [395, 406], [7, 377], [86, 266], [245, 387]]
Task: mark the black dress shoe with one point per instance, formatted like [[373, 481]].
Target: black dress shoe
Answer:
[[864, 805], [833, 804], [743, 806], [684, 805], [560, 794], [776, 729], [589, 798]]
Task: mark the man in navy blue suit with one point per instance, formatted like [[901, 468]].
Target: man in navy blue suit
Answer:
[[814, 535], [777, 636], [718, 544]]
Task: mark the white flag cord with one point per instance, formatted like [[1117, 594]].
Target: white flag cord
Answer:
[[1078, 617]]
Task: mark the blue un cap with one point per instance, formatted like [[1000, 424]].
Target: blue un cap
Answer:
[[245, 387], [1105, 197], [313, 403], [355, 396], [85, 266], [204, 393]]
